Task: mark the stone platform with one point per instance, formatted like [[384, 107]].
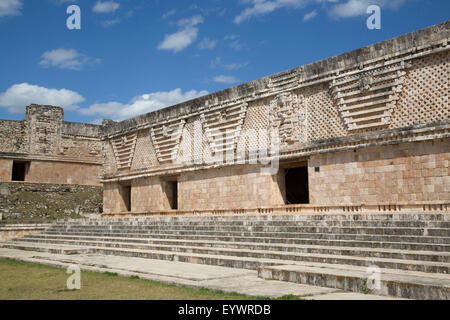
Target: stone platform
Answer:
[[412, 251]]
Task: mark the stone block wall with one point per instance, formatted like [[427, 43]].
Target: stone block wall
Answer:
[[416, 172], [228, 188], [5, 169], [63, 173]]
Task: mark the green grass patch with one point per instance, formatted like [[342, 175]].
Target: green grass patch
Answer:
[[25, 281]]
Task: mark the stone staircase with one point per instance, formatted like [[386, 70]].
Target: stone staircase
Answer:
[[412, 251]]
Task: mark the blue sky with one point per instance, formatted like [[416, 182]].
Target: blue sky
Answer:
[[133, 56]]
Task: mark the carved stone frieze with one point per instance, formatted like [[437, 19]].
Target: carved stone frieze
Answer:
[[366, 98], [288, 115], [166, 140]]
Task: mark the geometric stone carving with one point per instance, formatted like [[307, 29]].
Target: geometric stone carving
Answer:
[[123, 148], [288, 116], [222, 128], [366, 98], [166, 139]]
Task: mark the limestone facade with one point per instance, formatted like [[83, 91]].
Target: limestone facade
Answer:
[[44, 148], [369, 127]]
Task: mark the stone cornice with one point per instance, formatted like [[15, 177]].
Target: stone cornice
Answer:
[[31, 157]]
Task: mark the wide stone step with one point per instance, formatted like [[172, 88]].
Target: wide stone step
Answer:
[[306, 223], [263, 242], [248, 249], [256, 257], [404, 285], [217, 235], [269, 217], [440, 232]]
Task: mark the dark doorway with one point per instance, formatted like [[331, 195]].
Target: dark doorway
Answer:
[[174, 202], [126, 196], [170, 188], [297, 189], [19, 170]]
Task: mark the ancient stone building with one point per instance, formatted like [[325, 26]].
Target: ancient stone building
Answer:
[[44, 148], [365, 130], [49, 168]]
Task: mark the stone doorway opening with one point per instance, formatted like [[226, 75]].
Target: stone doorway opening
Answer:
[[125, 192], [19, 170], [171, 191], [296, 184]]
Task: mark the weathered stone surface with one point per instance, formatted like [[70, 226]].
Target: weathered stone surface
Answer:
[[25, 201], [411, 251], [55, 151], [371, 125]]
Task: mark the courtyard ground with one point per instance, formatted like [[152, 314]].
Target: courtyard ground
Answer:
[[24, 280], [117, 277]]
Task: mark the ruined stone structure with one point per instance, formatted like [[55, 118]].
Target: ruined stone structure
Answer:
[[320, 175], [365, 130], [44, 148]]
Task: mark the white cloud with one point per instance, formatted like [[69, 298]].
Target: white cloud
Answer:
[[235, 66], [207, 44], [262, 7], [353, 8], [105, 6], [63, 1], [184, 37], [66, 59], [310, 15], [109, 23], [141, 104], [217, 63], [226, 79], [343, 9], [169, 13], [235, 42], [18, 96], [10, 7]]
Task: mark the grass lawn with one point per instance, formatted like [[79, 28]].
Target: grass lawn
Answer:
[[25, 281]]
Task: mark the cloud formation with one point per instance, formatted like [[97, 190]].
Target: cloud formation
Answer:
[[310, 15], [207, 44], [335, 8], [217, 63], [105, 6], [66, 59], [10, 7], [353, 8], [141, 104], [263, 7], [184, 36], [18, 96], [226, 79]]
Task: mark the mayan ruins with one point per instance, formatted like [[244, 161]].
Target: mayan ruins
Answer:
[[308, 176], [362, 131]]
